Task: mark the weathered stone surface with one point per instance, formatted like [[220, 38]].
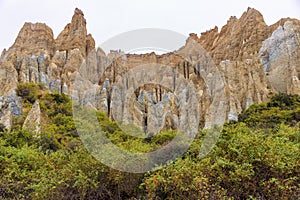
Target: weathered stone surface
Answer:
[[280, 56], [239, 39], [34, 39], [74, 35], [2, 58], [213, 96], [245, 84], [33, 120], [8, 78], [10, 106], [224, 68], [148, 97]]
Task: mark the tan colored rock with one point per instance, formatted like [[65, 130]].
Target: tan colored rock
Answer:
[[34, 39], [31, 53], [74, 35], [8, 78], [3, 55], [33, 120], [281, 22], [239, 39]]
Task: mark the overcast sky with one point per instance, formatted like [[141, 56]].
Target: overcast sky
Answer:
[[108, 18]]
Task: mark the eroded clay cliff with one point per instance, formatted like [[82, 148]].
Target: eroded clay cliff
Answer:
[[208, 81]]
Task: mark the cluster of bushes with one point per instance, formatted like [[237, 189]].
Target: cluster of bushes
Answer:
[[29, 173], [255, 158], [244, 164], [282, 108]]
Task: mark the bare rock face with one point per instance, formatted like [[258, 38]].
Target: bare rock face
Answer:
[[244, 55], [280, 56], [208, 81], [2, 58], [33, 120], [38, 58], [74, 48], [34, 39], [74, 35], [10, 104], [31, 53], [238, 75], [245, 84], [239, 39], [9, 78]]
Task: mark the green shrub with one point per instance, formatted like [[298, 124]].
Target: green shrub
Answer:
[[28, 91], [243, 164], [281, 108]]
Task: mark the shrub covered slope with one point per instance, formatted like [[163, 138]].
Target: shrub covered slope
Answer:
[[254, 158]]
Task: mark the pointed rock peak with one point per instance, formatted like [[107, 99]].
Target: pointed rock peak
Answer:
[[252, 11], [33, 119], [232, 19], [252, 14], [2, 58], [100, 52], [192, 43], [215, 30], [192, 39], [78, 19], [74, 35], [193, 36], [78, 12]]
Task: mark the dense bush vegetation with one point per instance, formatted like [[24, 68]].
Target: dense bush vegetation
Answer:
[[282, 108], [29, 91], [255, 158], [244, 164]]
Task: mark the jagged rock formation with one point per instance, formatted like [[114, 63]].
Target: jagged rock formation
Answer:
[[238, 40], [74, 36], [33, 39], [37, 57], [210, 80]]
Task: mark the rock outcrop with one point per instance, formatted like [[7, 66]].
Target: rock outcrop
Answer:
[[10, 103], [238, 40], [74, 36], [34, 39], [208, 81], [33, 120], [280, 56]]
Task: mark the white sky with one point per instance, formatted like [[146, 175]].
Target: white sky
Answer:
[[108, 18]]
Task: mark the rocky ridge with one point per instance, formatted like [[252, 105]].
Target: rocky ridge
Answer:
[[208, 81]]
